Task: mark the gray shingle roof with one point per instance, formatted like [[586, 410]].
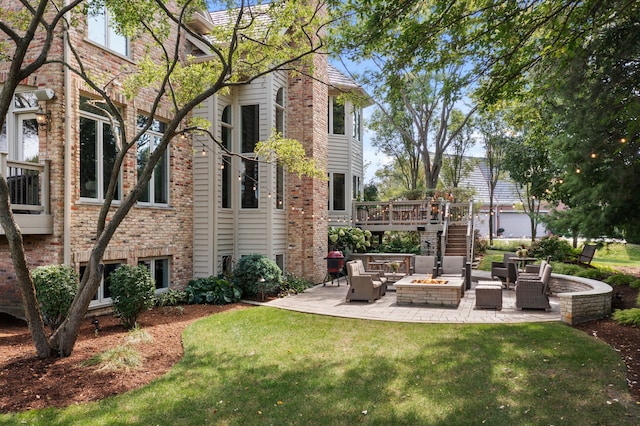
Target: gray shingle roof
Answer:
[[505, 191]]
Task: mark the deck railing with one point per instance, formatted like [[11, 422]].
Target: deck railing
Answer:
[[28, 185], [412, 212]]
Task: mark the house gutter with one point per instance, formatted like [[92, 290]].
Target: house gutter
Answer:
[[66, 231]]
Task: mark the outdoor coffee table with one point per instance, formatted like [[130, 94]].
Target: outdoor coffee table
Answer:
[[410, 291], [489, 295]]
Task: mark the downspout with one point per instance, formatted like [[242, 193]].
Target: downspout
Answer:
[[66, 231]]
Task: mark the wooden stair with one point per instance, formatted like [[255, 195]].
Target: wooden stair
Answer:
[[456, 240]]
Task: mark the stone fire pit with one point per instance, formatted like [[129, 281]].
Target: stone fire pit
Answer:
[[424, 290]]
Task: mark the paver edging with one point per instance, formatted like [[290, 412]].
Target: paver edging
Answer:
[[581, 299]]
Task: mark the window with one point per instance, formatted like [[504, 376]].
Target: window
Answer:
[[280, 167], [97, 152], [157, 190], [339, 191], [249, 170], [356, 187], [279, 186], [103, 295], [336, 116], [226, 133], [159, 269], [280, 262], [101, 31], [357, 124], [227, 265], [280, 111]]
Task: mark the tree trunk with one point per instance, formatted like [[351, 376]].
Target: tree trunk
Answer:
[[16, 248]]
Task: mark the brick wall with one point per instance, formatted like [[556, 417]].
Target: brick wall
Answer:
[[307, 215], [147, 231]]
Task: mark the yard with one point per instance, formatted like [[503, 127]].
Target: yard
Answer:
[[267, 366]]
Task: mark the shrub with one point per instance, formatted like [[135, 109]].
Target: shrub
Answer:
[[217, 291], [592, 273], [56, 286], [627, 316], [620, 279], [402, 242], [171, 297], [293, 285], [255, 274], [353, 239], [132, 290], [480, 245], [554, 247]]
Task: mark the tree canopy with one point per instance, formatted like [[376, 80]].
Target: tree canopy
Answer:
[[570, 66]]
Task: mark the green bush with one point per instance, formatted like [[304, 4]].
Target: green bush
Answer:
[[170, 298], [132, 291], [627, 316], [480, 245], [216, 291], [56, 286], [620, 279], [552, 247], [593, 273], [293, 285], [402, 242], [635, 283], [255, 274], [352, 239]]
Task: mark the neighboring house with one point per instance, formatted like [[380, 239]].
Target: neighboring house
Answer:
[[201, 213], [507, 215]]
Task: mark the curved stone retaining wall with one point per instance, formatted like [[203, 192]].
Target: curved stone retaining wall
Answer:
[[581, 299]]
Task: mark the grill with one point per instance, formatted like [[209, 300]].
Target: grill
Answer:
[[335, 266]]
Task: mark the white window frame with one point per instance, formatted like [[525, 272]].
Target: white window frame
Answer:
[[226, 127], [249, 158], [280, 128], [154, 135], [148, 261], [333, 102], [100, 299], [100, 176], [107, 37]]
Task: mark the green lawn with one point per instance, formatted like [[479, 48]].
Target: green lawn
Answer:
[[609, 256], [269, 366]]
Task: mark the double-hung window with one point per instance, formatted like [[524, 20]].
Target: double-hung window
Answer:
[[103, 295], [102, 31], [226, 130], [279, 166], [249, 172], [159, 270], [97, 152], [157, 190], [357, 123], [339, 191], [336, 116]]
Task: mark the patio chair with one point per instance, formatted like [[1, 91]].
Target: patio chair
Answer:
[[588, 251], [499, 269], [425, 265], [454, 266], [362, 287], [535, 270], [376, 275], [531, 293]]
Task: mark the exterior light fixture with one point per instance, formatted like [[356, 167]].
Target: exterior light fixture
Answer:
[[43, 119]]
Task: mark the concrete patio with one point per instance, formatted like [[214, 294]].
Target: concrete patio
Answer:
[[329, 299]]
